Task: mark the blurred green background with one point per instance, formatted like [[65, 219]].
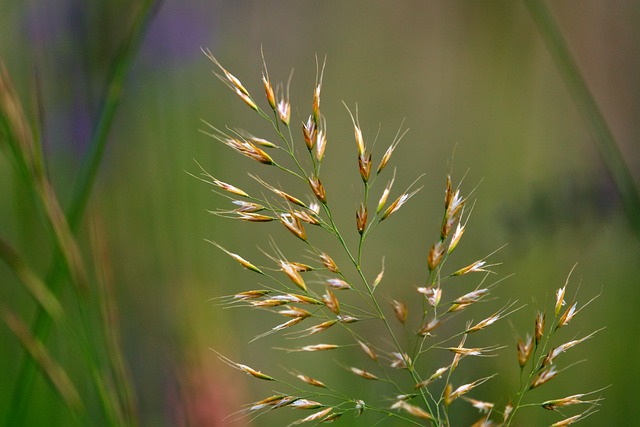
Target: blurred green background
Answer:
[[473, 81]]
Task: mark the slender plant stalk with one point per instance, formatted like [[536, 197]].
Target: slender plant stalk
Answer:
[[588, 107], [90, 164]]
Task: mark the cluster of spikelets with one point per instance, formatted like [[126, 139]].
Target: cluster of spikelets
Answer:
[[424, 393]]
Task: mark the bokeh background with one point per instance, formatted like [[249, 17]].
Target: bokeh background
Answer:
[[474, 83]]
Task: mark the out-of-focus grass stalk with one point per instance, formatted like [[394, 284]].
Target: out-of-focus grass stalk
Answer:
[[91, 162], [589, 109]]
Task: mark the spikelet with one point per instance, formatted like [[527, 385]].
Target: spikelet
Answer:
[[544, 377], [368, 350], [437, 374], [331, 302], [416, 411], [328, 262], [525, 348], [246, 264], [400, 309], [311, 381], [361, 218], [364, 374]]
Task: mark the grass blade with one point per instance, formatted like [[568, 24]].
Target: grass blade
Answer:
[[587, 106], [52, 371], [31, 281]]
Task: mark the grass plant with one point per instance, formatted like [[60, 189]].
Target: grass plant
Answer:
[[91, 316], [345, 314]]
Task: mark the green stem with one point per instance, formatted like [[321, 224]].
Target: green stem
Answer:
[[587, 106], [89, 168]]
